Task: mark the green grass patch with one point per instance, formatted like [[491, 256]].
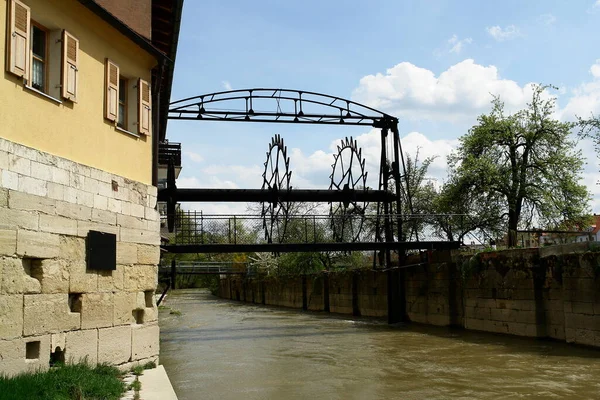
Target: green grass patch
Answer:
[[136, 385], [65, 382], [138, 370], [150, 365]]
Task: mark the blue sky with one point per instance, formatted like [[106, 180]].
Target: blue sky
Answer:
[[432, 63]]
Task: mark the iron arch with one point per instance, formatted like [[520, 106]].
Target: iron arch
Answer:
[[279, 105]]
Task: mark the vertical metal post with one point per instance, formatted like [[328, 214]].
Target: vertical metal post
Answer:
[[195, 227], [398, 158], [173, 273], [234, 230], [314, 229], [392, 296], [306, 229], [201, 226], [229, 230]]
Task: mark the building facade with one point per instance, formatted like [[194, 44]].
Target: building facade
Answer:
[[82, 111]]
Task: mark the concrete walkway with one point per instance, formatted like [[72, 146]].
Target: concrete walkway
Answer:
[[156, 385]]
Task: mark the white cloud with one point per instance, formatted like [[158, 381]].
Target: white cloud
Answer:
[[500, 34], [462, 92], [195, 157], [457, 45], [547, 19], [226, 85], [595, 69], [595, 7], [585, 99]]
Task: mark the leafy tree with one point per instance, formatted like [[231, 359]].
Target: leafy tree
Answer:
[[418, 208], [462, 208], [590, 129], [525, 163]]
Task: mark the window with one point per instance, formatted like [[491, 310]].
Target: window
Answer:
[[47, 61], [127, 101], [39, 58], [122, 120]]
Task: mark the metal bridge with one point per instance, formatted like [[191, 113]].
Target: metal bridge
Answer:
[[206, 233], [359, 218]]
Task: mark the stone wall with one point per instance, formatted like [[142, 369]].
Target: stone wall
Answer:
[[361, 293], [51, 305], [550, 293], [545, 293]]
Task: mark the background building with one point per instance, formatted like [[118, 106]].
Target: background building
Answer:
[[83, 105]]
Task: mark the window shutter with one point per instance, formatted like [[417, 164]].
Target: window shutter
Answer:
[[112, 91], [144, 108], [18, 46], [70, 72]]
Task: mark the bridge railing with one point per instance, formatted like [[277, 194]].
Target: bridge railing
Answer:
[[196, 228], [207, 267]]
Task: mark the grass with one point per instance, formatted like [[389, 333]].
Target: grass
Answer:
[[136, 385], [65, 382], [150, 365], [138, 370]]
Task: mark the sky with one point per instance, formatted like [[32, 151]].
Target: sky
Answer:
[[434, 64]]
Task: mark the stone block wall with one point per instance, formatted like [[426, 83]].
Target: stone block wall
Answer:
[[51, 305], [500, 293], [371, 294], [545, 293], [361, 293], [315, 292]]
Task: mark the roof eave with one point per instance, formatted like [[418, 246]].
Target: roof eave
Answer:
[[125, 30], [178, 7]]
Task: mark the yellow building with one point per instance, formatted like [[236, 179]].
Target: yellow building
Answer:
[[83, 105]]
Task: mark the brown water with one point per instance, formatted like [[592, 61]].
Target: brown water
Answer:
[[220, 349]]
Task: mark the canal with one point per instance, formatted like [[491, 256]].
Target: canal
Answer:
[[221, 349]]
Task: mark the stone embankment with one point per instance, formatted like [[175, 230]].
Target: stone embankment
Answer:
[[544, 293], [53, 307]]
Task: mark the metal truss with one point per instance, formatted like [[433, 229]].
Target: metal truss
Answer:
[[278, 105]]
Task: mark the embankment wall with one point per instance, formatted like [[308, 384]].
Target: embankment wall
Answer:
[[53, 307], [544, 293]]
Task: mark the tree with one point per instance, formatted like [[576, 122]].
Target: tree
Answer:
[[461, 209], [590, 129], [418, 208], [524, 162]]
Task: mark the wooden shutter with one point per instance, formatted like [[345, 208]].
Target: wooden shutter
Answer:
[[18, 46], [112, 91], [144, 108], [70, 72]]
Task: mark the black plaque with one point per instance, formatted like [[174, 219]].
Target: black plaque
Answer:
[[101, 251]]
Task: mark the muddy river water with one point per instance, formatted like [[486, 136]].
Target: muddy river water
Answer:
[[221, 349]]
